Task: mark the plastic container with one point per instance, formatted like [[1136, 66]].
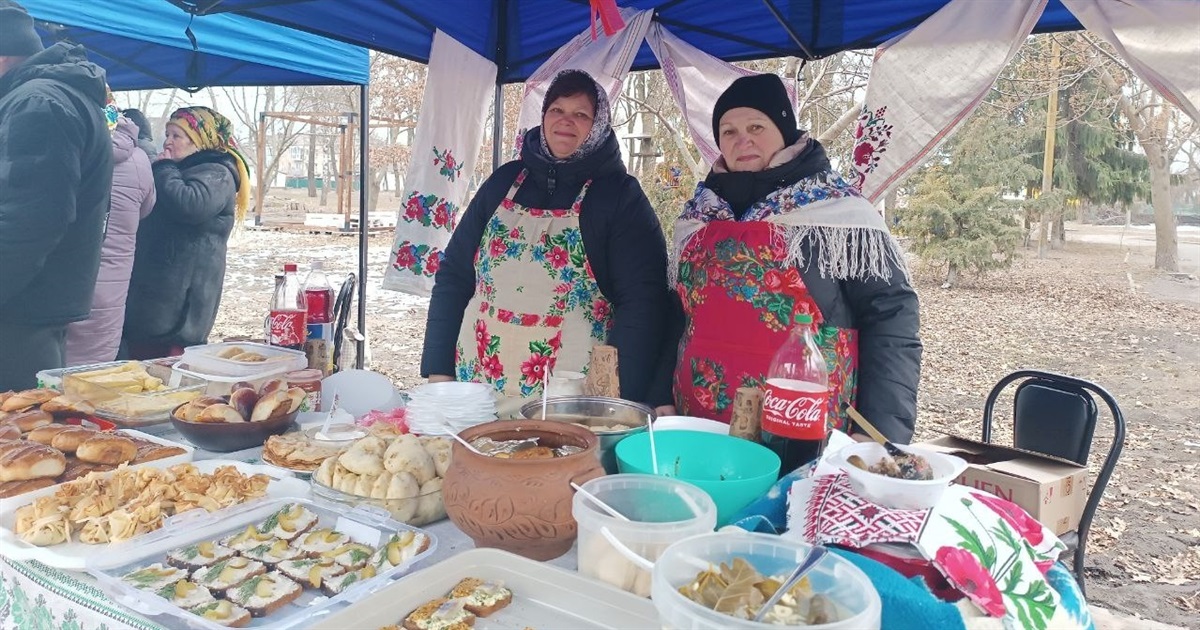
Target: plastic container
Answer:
[[123, 408], [900, 494], [850, 589], [363, 526], [660, 512], [204, 359], [733, 471], [217, 385]]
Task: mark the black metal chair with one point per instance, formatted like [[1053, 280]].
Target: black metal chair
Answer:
[[341, 316], [1056, 415]]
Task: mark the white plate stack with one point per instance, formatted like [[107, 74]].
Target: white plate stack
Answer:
[[441, 408]]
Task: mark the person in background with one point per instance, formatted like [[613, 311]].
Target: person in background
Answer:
[[145, 137], [558, 252], [773, 232], [203, 190], [97, 338], [55, 174]]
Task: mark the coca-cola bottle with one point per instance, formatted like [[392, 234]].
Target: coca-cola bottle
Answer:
[[795, 398], [288, 312], [318, 296]]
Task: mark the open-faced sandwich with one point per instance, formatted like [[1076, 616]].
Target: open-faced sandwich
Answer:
[[228, 573], [223, 612], [264, 594]]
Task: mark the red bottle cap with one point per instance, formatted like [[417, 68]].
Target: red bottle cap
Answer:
[[289, 267]]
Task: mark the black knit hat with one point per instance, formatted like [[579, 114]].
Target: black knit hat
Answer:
[[17, 37], [764, 92]]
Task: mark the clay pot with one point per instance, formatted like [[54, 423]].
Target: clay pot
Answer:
[[520, 506]]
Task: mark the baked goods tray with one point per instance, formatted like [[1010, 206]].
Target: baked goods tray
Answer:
[[189, 452], [543, 596], [75, 555], [360, 526]]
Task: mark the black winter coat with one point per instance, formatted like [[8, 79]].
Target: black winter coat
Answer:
[[55, 177], [179, 267], [624, 244], [885, 314]]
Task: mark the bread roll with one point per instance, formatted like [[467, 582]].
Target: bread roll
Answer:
[[5, 396], [68, 440], [365, 457], [107, 449], [27, 399], [190, 412], [67, 404], [45, 435], [9, 432], [363, 486], [244, 400], [21, 461], [27, 421], [76, 469], [220, 413], [295, 398], [271, 405]]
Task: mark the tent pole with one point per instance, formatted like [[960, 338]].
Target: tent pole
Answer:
[[498, 126], [261, 154], [364, 135]]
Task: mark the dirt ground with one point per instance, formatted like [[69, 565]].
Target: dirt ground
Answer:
[[1095, 310]]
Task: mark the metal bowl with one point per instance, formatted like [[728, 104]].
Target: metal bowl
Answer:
[[596, 413]]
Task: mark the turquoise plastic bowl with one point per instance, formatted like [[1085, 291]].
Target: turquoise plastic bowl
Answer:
[[733, 471]]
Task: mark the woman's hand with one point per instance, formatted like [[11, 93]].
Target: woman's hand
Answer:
[[665, 410], [440, 378], [165, 154]]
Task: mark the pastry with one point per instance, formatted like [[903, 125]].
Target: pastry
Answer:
[[42, 523], [9, 432], [296, 398], [185, 594], [14, 488], [27, 399], [68, 440], [337, 585], [271, 405], [228, 573], [45, 435], [151, 451], [406, 454], [107, 449], [27, 421], [220, 413], [264, 594], [67, 404], [297, 452], [480, 597], [22, 461], [199, 555], [154, 577], [401, 548], [223, 612], [365, 457], [317, 542], [289, 522], [76, 469], [311, 572], [243, 400], [440, 614]]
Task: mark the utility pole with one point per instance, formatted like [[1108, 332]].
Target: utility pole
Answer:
[[1048, 158]]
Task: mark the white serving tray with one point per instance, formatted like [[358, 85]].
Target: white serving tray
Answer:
[[362, 525], [544, 596], [187, 456], [77, 556]]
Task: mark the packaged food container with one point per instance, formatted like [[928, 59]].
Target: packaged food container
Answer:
[[660, 512], [220, 385], [420, 510], [364, 526], [123, 398], [207, 359], [900, 494], [853, 596]]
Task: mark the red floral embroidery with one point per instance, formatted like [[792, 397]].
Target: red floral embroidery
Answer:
[[965, 572], [529, 319], [600, 310], [432, 264], [1016, 517], [405, 258], [497, 247], [871, 140]]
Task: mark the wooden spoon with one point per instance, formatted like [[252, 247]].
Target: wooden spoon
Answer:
[[892, 449]]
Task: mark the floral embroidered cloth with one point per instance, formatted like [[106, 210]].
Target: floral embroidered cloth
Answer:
[[988, 548], [537, 306]]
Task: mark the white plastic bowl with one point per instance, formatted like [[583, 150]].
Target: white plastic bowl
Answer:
[[900, 494], [690, 423]]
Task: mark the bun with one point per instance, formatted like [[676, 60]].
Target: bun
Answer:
[[45, 435], [27, 399], [21, 461], [27, 421], [66, 404], [295, 398], [76, 469], [243, 400], [150, 451], [271, 405], [9, 432], [13, 488], [68, 440], [220, 413], [107, 449]]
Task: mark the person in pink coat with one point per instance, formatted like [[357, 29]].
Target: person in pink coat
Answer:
[[97, 338]]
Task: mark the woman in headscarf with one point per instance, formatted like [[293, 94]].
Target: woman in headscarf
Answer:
[[203, 188], [558, 252], [98, 338], [774, 234]]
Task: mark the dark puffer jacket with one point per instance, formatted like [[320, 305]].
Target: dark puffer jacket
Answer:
[[624, 244], [179, 268], [55, 175]]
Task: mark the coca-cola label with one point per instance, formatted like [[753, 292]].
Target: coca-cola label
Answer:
[[287, 328], [794, 414]]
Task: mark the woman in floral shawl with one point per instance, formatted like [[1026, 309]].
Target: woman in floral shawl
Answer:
[[772, 234]]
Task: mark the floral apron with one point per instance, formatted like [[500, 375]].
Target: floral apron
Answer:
[[537, 306], [741, 302]]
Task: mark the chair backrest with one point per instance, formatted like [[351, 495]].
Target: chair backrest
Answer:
[[1055, 418]]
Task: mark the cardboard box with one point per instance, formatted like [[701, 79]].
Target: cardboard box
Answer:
[[1052, 490]]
